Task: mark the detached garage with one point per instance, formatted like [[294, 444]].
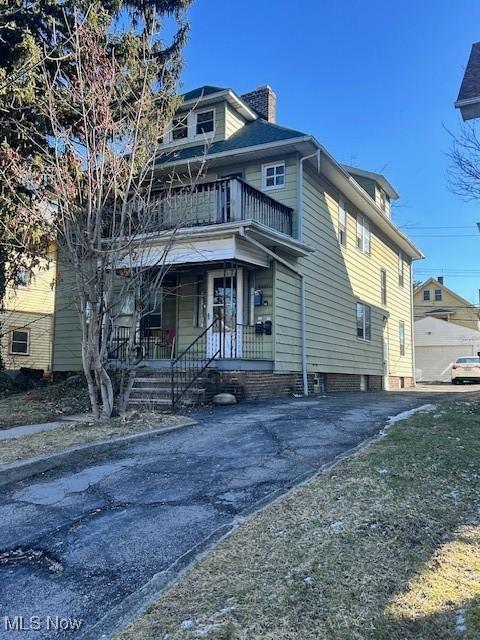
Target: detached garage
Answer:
[[438, 344]]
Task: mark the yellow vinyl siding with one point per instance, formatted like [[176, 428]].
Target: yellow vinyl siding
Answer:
[[32, 307], [465, 314], [40, 328]]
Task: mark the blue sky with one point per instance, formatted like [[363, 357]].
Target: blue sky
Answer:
[[375, 83]]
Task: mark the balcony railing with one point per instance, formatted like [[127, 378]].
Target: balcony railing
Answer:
[[217, 202]]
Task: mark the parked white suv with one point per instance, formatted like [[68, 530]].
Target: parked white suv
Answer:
[[466, 369]]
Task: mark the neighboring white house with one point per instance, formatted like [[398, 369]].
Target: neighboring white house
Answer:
[[438, 344]]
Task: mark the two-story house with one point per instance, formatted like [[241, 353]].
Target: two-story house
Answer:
[[434, 299], [288, 274], [26, 322]]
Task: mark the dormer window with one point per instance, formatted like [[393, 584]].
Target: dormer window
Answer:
[[205, 122], [180, 128]]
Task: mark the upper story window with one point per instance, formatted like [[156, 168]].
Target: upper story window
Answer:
[[205, 122], [384, 202], [364, 321], [180, 128], [342, 224], [364, 238], [401, 269], [22, 277], [273, 176], [383, 286], [20, 342], [426, 295], [438, 295]]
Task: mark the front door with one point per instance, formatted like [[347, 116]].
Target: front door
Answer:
[[224, 313]]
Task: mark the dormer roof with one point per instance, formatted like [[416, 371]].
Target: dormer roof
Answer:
[[376, 177], [209, 94]]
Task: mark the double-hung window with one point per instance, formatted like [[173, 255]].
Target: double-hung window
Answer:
[[205, 122], [20, 342], [364, 240], [364, 321], [401, 270], [273, 176], [180, 128], [342, 224], [401, 333], [438, 295], [383, 286], [426, 295]]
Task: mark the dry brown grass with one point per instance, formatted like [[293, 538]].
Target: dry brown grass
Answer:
[[386, 546], [44, 404], [75, 434]]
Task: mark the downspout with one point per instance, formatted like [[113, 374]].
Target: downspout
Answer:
[[412, 327], [285, 263]]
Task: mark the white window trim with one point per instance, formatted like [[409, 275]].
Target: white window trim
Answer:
[[363, 224], [341, 207], [192, 135], [383, 289], [25, 330], [209, 133], [364, 305], [401, 338], [268, 165], [401, 270]]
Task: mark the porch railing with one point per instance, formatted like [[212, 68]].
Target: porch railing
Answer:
[[217, 202], [241, 341]]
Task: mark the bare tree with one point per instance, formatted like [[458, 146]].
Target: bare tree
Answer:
[[95, 187], [464, 172]]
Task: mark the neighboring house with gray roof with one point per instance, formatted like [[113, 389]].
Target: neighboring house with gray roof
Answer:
[[288, 274], [468, 100]]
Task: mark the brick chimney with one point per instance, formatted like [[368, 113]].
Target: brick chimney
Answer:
[[440, 279], [264, 101]]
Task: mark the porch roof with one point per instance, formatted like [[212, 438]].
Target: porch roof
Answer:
[[211, 243]]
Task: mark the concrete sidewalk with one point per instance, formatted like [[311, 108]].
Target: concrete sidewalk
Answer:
[[28, 429]]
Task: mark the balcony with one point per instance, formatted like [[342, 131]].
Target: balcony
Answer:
[[218, 202]]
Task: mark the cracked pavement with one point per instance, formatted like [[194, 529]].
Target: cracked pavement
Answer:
[[93, 542]]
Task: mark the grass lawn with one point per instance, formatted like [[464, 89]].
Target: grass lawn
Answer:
[[45, 404], [385, 546], [50, 404]]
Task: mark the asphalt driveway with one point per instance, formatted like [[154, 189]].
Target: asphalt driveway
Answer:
[[95, 542]]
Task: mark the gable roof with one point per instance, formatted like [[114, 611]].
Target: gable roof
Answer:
[[470, 87], [376, 177], [250, 135], [439, 285]]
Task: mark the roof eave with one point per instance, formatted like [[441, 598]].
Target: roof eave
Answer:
[[226, 94]]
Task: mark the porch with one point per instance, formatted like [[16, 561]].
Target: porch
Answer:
[[219, 314]]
